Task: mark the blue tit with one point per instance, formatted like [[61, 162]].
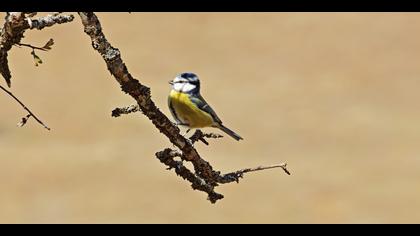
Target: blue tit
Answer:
[[189, 108]]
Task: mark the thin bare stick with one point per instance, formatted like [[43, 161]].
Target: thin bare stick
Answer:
[[283, 166], [30, 46], [24, 107], [235, 176]]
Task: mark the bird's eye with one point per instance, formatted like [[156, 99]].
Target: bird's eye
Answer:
[[181, 81]]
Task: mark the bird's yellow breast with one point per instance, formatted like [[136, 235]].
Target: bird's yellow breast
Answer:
[[188, 112]]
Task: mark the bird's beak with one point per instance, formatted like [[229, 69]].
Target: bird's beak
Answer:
[[171, 82]]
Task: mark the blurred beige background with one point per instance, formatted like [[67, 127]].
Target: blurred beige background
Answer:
[[335, 95]]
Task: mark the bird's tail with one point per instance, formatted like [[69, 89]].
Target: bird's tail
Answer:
[[229, 132]]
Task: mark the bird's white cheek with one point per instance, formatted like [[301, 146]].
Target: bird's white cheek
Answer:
[[187, 88], [177, 87]]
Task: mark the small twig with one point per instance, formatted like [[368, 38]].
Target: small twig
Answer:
[[125, 110], [30, 46], [235, 176], [24, 107], [199, 135], [283, 166]]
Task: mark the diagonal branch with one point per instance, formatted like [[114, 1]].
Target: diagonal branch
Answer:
[[141, 94], [204, 177]]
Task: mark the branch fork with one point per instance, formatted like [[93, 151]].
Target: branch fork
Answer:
[[203, 177], [16, 23]]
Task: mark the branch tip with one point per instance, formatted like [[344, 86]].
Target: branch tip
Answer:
[[125, 110], [25, 119]]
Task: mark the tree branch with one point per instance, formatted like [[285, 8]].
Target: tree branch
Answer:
[[12, 32], [205, 178], [48, 21], [197, 136], [166, 157], [141, 94], [31, 114]]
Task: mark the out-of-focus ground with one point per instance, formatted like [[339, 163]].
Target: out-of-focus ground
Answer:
[[335, 95]]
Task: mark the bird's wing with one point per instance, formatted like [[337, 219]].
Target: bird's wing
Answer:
[[199, 101]]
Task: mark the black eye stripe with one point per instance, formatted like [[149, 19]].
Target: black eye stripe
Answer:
[[190, 82], [181, 81], [196, 82]]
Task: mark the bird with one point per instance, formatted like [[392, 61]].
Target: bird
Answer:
[[189, 108]]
